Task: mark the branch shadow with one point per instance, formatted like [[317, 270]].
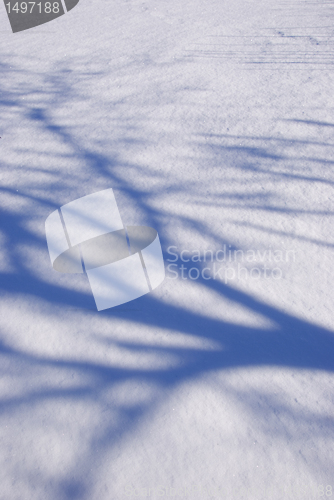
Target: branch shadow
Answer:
[[290, 343]]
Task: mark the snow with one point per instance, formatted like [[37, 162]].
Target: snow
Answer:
[[213, 123]]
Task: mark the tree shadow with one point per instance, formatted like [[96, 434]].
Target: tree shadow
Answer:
[[290, 342]]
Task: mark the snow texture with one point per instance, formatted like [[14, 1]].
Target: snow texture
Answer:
[[213, 123]]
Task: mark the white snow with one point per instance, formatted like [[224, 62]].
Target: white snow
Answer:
[[213, 123]]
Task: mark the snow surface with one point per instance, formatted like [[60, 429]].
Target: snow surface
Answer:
[[213, 123]]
